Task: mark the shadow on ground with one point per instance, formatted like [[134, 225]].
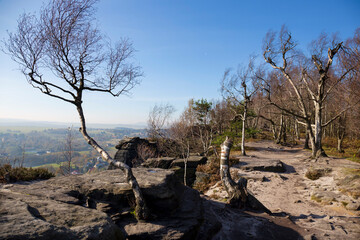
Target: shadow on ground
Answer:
[[224, 222]]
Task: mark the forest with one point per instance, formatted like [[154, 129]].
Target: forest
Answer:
[[293, 97]]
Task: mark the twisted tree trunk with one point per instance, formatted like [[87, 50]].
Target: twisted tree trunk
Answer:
[[141, 210], [237, 192], [239, 195]]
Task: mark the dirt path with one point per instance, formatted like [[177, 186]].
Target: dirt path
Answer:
[[317, 207]]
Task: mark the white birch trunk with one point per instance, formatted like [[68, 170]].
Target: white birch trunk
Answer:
[[141, 210], [243, 131], [239, 196], [317, 150]]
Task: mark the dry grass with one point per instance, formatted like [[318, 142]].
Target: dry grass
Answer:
[[314, 174], [316, 198], [213, 169], [9, 174], [350, 147]]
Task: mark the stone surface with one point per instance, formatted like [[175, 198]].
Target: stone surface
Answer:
[[133, 151], [355, 206], [178, 166], [223, 222], [98, 206], [266, 165], [182, 223], [163, 162], [45, 212], [192, 162], [254, 177]]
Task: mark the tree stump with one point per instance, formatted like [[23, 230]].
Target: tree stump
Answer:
[[239, 195]]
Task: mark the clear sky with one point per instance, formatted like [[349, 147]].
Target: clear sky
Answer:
[[183, 46]]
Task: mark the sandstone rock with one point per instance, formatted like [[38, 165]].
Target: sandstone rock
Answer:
[[27, 213], [255, 177], [134, 150], [325, 197], [163, 162], [222, 222], [183, 223], [355, 206], [192, 162], [262, 165], [178, 166], [98, 206]]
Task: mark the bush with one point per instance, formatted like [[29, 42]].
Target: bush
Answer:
[[314, 174], [212, 168], [251, 132], [9, 174]]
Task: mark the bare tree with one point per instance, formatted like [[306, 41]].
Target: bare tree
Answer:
[[238, 88], [68, 151], [180, 132], [307, 78], [159, 117], [63, 40]]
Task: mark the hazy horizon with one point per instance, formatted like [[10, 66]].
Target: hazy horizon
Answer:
[[7, 122]]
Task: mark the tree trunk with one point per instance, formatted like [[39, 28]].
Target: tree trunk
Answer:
[[239, 196], [185, 168], [339, 145], [284, 136], [340, 134], [141, 210], [317, 150], [186, 158], [280, 133], [307, 136], [297, 132], [273, 129], [243, 131]]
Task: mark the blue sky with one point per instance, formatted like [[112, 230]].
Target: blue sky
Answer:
[[183, 47]]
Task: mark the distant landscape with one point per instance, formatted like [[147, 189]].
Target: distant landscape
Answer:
[[34, 144]]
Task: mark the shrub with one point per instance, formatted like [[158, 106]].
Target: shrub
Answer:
[[9, 174], [251, 132], [314, 174], [212, 168]]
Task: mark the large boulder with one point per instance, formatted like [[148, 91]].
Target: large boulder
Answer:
[[134, 150], [99, 206], [266, 165], [192, 162], [178, 165], [42, 211]]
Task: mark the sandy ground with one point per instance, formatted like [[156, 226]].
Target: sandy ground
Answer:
[[292, 197]]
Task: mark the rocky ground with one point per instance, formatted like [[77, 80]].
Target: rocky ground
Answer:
[[325, 208], [100, 205]]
